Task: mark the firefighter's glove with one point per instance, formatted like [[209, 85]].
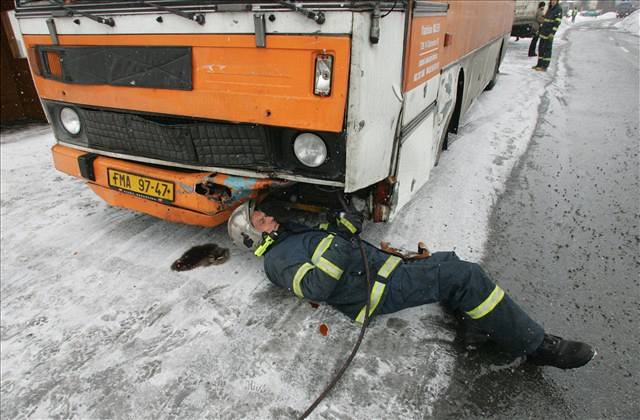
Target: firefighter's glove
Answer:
[[348, 221]]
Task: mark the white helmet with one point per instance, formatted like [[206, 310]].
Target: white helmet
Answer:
[[240, 229]]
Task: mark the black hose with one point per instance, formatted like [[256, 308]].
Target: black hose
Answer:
[[365, 324]]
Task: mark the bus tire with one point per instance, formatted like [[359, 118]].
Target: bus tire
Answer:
[[443, 147], [493, 81], [443, 144], [496, 71]]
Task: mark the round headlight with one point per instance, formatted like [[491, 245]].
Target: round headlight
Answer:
[[70, 120], [310, 149]]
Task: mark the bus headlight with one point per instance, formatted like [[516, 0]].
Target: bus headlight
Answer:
[[324, 70], [70, 120], [310, 149]]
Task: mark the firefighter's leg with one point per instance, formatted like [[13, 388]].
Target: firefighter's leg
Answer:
[[532, 46], [465, 287], [544, 52], [546, 58]]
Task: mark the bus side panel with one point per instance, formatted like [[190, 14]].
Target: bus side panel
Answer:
[[474, 33], [416, 161], [375, 91], [422, 64], [478, 71], [472, 24]]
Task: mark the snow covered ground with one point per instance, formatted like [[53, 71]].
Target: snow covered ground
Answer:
[[95, 324]]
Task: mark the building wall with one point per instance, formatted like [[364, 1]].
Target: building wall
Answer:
[[18, 97]]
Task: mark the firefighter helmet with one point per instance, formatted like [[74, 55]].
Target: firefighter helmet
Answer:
[[241, 230]]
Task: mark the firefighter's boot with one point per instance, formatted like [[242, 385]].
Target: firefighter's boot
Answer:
[[564, 354]]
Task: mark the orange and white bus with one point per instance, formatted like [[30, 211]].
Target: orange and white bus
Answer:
[[184, 109]]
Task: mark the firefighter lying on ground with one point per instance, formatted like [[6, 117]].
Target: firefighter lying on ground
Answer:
[[325, 265]]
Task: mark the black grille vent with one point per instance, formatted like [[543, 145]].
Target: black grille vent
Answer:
[[198, 143], [217, 143]]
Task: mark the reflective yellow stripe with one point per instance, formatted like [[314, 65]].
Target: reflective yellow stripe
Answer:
[[317, 261], [348, 225], [324, 264], [323, 226], [268, 241], [324, 244], [378, 287], [297, 279], [376, 296], [329, 268], [388, 266], [487, 306]]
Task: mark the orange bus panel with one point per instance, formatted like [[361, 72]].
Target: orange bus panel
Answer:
[[469, 24], [473, 24], [424, 53], [232, 79]]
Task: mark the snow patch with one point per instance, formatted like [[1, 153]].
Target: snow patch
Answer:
[[608, 15], [631, 23]]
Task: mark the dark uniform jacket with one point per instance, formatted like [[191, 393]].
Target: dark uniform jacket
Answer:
[[552, 21], [326, 266]]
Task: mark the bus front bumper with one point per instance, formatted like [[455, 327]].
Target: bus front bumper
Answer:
[[195, 198]]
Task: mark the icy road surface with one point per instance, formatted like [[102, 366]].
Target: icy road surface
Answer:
[[96, 325]]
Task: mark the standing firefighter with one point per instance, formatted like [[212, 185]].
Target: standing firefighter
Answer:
[[324, 264], [548, 29]]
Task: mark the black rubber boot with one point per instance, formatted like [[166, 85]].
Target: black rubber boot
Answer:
[[564, 354]]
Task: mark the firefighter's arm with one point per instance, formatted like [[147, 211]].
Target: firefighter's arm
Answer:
[[316, 278], [345, 223]]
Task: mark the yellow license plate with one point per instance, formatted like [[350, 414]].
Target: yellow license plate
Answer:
[[141, 186]]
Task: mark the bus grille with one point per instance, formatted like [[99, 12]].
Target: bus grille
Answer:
[[193, 142]]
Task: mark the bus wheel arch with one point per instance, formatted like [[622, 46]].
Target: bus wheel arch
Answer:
[[496, 70], [457, 109], [453, 119]]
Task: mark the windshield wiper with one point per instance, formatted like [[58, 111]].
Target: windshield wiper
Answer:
[[106, 21], [318, 17], [196, 17]]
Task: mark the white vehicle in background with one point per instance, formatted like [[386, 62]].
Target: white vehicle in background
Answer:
[[524, 16]]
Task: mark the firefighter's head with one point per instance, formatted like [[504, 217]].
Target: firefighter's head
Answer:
[[262, 222], [246, 225]]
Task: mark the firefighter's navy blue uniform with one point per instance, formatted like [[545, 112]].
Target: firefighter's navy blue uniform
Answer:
[[552, 20], [325, 265]]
